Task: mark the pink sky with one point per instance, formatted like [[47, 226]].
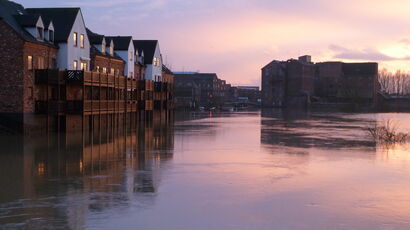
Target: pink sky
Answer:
[[236, 38]]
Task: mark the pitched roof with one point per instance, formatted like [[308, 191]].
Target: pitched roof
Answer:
[[95, 51], [121, 42], [166, 69], [10, 12], [94, 37], [148, 47], [28, 20], [63, 20]]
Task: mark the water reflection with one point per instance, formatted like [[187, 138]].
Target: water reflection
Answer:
[[249, 170], [61, 180], [304, 129]]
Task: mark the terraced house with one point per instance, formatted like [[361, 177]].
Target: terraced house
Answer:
[[59, 75]]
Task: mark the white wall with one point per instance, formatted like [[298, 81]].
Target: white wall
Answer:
[[72, 53], [62, 56], [152, 70], [125, 55]]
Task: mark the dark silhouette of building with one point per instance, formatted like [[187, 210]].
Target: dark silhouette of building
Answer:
[[299, 83]]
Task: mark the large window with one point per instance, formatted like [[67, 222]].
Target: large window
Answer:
[[112, 71], [104, 70], [75, 39], [75, 65], [29, 62], [82, 40]]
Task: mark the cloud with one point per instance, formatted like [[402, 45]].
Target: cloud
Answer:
[[368, 54]]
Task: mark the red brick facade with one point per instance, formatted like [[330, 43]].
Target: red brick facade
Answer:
[[139, 71], [108, 63], [17, 88], [11, 70]]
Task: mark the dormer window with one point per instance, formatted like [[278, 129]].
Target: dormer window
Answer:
[[51, 35], [103, 48], [40, 33]]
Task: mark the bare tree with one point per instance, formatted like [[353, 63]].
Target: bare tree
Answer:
[[394, 84]]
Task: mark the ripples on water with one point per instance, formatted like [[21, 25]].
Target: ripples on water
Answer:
[[249, 170]]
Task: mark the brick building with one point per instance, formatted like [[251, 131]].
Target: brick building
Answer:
[[209, 85], [56, 75], [295, 83], [26, 45], [103, 58]]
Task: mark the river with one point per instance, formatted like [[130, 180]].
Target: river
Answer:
[[290, 170]]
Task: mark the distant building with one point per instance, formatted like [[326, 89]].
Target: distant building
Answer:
[[187, 92], [252, 93], [295, 83], [274, 84], [212, 89]]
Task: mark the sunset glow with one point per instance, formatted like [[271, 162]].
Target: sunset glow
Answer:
[[236, 39]]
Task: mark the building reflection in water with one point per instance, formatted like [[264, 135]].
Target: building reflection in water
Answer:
[[60, 180], [303, 129]]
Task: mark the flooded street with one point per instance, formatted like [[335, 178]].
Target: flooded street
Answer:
[[248, 170]]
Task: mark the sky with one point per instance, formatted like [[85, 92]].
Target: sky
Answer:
[[236, 38]]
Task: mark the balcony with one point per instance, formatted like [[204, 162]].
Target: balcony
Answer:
[[49, 76], [75, 76]]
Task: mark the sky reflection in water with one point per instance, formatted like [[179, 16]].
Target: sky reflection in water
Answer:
[[251, 170]]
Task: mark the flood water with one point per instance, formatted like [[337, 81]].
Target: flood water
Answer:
[[288, 170]]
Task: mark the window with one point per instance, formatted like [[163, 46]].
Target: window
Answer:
[[97, 68], [117, 72], [131, 54], [82, 40], [29, 62], [112, 71], [83, 65], [112, 50], [40, 33], [104, 70], [51, 35], [75, 39], [155, 61], [75, 65], [40, 63]]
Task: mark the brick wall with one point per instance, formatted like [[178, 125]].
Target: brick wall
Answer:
[[11, 70], [30, 91], [107, 62]]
